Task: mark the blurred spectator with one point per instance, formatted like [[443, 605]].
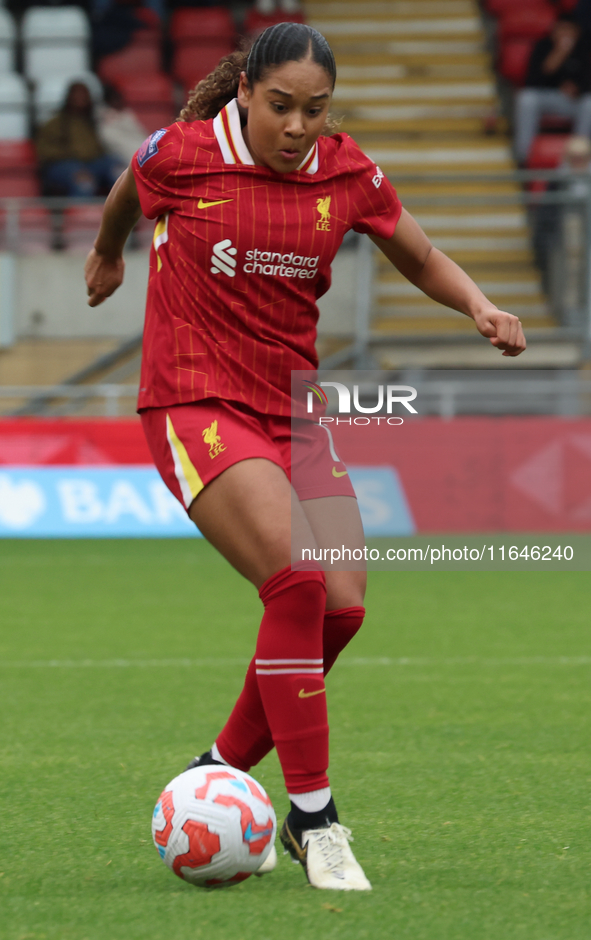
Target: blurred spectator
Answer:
[[73, 160], [114, 23], [559, 226], [18, 7], [558, 84], [577, 157], [119, 129], [582, 13]]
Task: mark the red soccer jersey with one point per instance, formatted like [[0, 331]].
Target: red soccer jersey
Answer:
[[240, 256]]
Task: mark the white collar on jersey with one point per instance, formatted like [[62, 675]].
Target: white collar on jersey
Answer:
[[228, 132]]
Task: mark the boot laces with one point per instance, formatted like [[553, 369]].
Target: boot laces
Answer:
[[332, 843]]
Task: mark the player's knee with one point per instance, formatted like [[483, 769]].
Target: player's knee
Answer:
[[308, 585], [345, 589]]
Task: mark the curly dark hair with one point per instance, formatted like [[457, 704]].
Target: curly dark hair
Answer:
[[214, 91], [284, 42]]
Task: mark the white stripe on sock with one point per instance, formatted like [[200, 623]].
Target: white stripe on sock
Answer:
[[288, 662], [289, 672]]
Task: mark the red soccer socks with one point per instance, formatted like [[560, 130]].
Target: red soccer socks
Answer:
[[290, 675], [340, 626], [246, 737]]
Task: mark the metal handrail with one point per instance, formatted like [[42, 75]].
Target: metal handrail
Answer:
[[109, 391]]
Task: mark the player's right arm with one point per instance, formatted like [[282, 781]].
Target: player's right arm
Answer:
[[104, 266]]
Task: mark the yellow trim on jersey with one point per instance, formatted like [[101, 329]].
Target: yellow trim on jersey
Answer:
[[160, 236], [190, 482]]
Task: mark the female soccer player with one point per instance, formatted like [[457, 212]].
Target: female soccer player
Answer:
[[252, 201]]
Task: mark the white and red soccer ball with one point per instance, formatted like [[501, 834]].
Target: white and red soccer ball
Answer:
[[214, 826]]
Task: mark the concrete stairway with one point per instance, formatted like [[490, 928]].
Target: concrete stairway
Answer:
[[50, 362], [416, 90]]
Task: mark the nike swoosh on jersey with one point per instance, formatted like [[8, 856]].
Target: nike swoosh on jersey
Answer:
[[205, 204], [303, 694], [339, 473]]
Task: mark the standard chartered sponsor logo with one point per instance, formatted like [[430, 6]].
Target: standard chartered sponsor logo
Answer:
[[222, 259], [277, 265], [268, 263]]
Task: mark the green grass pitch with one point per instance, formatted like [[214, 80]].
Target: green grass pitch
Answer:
[[461, 761]]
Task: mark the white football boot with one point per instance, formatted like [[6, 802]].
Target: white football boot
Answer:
[[269, 863], [326, 856]]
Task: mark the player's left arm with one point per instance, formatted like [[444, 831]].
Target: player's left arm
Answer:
[[104, 266], [443, 280]]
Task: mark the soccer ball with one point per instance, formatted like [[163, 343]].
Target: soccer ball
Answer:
[[214, 826]]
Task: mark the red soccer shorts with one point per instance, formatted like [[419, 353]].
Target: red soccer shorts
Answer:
[[192, 444]]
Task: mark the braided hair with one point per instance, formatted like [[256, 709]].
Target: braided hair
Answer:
[[284, 42]]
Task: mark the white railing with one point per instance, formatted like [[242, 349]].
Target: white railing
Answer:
[[39, 397], [558, 393], [567, 279]]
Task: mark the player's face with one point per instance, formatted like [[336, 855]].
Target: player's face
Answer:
[[286, 113]]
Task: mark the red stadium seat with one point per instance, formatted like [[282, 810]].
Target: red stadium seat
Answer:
[[256, 22], [35, 228], [134, 58], [17, 155], [18, 185], [528, 23], [82, 217], [191, 63], [18, 169], [80, 225], [514, 59], [145, 88], [151, 97], [151, 21], [188, 24], [153, 117], [547, 151]]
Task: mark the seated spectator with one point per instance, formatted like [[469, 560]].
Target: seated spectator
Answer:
[[72, 158], [558, 83], [119, 129], [114, 23], [559, 226], [582, 14]]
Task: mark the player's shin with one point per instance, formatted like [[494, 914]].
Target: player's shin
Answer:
[[290, 675], [246, 737], [340, 626]]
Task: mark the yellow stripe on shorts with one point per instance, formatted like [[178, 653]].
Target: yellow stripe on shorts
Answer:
[[190, 482]]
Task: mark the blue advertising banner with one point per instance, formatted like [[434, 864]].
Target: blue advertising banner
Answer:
[[65, 502], [382, 501], [131, 501]]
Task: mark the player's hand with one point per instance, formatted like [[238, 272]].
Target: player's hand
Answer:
[[503, 329], [103, 276]]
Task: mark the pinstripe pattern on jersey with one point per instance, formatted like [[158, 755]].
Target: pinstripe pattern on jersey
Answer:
[[239, 338]]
